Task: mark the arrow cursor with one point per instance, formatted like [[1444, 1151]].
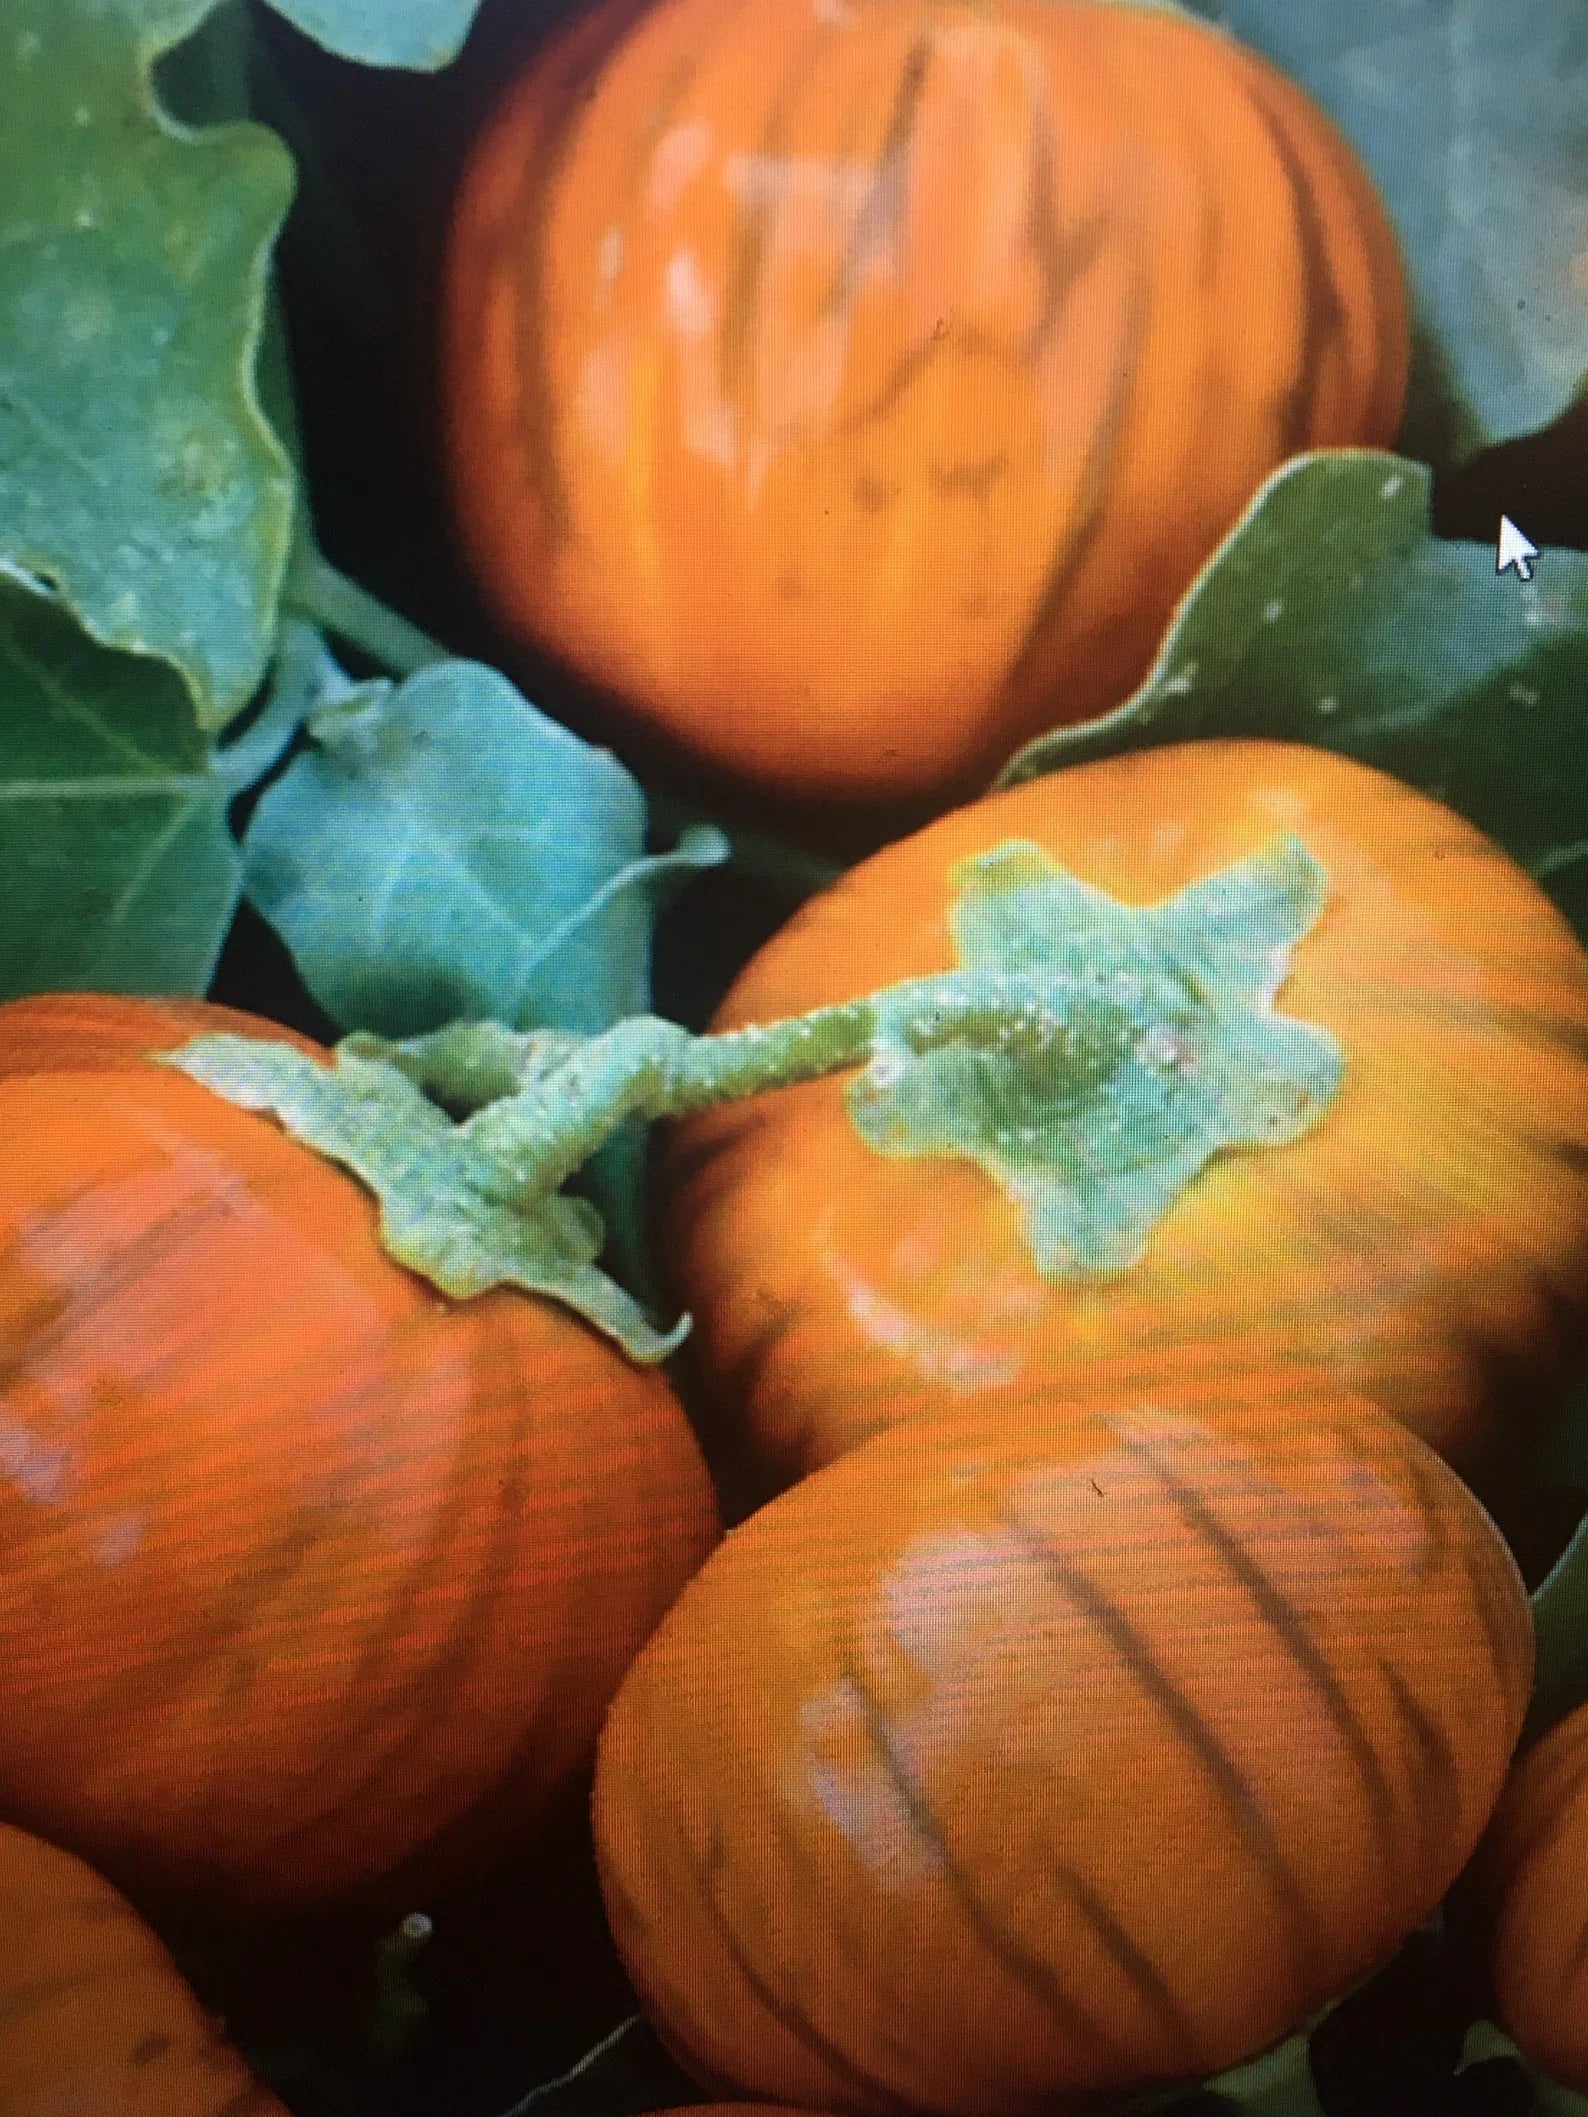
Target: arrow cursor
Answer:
[[1515, 550]]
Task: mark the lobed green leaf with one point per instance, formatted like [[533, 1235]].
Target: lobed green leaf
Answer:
[[139, 477], [1332, 615], [446, 851], [120, 872], [1473, 119]]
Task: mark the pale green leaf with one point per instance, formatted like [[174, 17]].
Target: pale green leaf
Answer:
[[447, 851], [138, 474], [422, 35]]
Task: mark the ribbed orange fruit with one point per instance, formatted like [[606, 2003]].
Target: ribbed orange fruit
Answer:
[[999, 1763], [1531, 1871], [854, 390], [308, 1575], [1425, 1246], [95, 2020]]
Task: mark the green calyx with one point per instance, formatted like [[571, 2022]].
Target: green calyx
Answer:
[[1090, 1056], [1147, 1045]]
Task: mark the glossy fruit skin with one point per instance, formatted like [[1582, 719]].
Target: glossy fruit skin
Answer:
[[994, 1765], [1530, 1871], [94, 2015], [1426, 1246], [853, 392], [309, 1576]]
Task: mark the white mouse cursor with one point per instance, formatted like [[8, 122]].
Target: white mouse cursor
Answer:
[[1515, 550]]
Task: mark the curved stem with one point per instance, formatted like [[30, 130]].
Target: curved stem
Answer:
[[327, 597], [579, 2068], [562, 1112], [1091, 1089], [238, 764], [788, 869]]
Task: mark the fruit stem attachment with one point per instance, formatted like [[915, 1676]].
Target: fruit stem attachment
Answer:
[[547, 1124], [1089, 1056]]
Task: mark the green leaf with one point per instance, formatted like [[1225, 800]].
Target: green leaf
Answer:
[[120, 872], [1486, 2044], [445, 1209], [1162, 1047], [1560, 1624], [422, 35], [446, 851], [1277, 2083], [1472, 116], [138, 474], [1332, 615]]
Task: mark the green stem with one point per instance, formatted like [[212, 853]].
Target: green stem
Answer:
[[318, 591], [570, 1095], [787, 869], [1092, 1089], [395, 2010], [239, 763]]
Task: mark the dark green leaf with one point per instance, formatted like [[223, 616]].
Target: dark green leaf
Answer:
[[447, 851], [419, 34], [138, 474], [120, 872], [1332, 615], [1473, 117], [1487, 2044]]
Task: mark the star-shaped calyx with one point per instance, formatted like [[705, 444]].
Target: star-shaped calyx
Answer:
[[1122, 1046]]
